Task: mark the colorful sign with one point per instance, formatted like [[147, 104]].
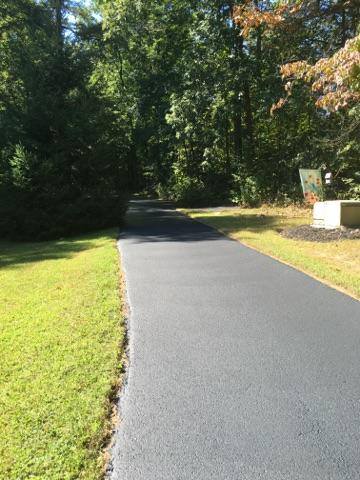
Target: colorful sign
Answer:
[[312, 185]]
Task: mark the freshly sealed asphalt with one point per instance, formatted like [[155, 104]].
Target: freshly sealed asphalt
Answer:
[[241, 368]]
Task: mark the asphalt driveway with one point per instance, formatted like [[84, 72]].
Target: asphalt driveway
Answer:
[[241, 368]]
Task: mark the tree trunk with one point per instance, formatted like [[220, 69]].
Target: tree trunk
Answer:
[[258, 48], [237, 47], [227, 153], [238, 143], [249, 120], [59, 6]]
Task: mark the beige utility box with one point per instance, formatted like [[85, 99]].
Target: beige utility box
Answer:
[[336, 213]]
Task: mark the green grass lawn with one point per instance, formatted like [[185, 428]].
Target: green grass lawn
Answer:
[[61, 331], [336, 263]]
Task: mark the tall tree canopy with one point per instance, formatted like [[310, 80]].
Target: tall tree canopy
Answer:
[[181, 97], [61, 144], [205, 78]]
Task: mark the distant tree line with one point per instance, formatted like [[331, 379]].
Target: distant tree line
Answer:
[[183, 98]]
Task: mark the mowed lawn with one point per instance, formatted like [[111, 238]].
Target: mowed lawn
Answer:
[[61, 334], [336, 263]]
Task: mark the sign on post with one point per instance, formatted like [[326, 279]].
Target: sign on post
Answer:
[[311, 182]]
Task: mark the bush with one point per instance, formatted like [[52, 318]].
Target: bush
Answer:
[[26, 215], [246, 192], [189, 192], [193, 192]]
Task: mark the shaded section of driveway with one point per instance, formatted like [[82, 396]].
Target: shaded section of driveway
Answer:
[[241, 368]]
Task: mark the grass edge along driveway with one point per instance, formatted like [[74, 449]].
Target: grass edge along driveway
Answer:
[[336, 263], [61, 336]]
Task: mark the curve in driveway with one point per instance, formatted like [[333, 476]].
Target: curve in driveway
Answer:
[[240, 367]]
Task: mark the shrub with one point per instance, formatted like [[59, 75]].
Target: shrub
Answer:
[[193, 192], [26, 215], [189, 191], [246, 192]]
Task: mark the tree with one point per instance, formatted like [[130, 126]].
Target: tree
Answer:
[[178, 98], [61, 168]]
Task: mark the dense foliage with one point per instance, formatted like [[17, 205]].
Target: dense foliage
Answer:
[[175, 97], [61, 145], [202, 79]]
